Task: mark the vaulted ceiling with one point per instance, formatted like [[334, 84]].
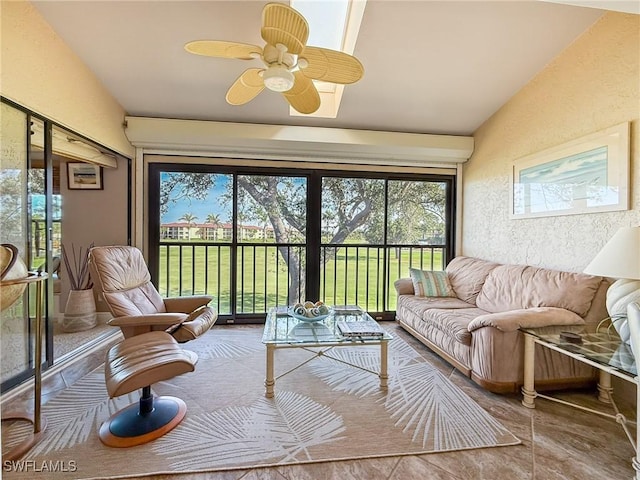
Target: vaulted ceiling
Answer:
[[430, 66]]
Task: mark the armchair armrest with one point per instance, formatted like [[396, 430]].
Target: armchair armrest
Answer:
[[160, 319], [512, 320], [186, 304]]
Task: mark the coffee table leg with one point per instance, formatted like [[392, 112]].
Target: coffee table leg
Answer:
[[270, 381], [384, 376], [528, 389]]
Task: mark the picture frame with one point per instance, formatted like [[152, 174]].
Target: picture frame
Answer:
[[586, 175], [84, 176]]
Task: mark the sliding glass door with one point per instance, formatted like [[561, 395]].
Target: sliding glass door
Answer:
[[259, 238], [374, 230], [239, 237], [26, 222], [34, 186]]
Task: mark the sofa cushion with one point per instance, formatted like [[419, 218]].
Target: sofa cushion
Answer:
[[513, 287], [428, 283], [467, 275], [458, 351], [419, 305], [454, 323], [512, 320]]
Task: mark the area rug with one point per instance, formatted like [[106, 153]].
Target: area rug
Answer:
[[324, 410]]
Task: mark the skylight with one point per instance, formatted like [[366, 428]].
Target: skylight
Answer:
[[333, 24], [326, 21]]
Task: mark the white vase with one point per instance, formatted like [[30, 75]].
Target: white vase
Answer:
[[80, 311]]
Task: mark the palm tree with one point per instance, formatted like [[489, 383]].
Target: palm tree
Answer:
[[190, 219], [214, 219]]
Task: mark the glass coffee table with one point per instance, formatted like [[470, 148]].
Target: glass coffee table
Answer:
[[282, 331]]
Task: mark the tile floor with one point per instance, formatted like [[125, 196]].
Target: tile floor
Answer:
[[558, 442]]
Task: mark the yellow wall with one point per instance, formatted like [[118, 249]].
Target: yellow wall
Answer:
[[39, 71], [592, 85]]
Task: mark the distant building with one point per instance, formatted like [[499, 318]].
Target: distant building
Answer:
[[218, 232]]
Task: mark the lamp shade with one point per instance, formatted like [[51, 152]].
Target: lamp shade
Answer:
[[620, 257]]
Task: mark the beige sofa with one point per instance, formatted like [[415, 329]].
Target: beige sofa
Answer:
[[477, 329]]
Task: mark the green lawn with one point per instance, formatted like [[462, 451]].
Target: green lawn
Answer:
[[353, 276]]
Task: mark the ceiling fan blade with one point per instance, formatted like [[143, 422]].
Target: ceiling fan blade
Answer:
[[246, 87], [331, 65], [219, 48], [282, 24], [304, 96]]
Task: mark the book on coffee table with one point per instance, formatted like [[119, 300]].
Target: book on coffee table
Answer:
[[366, 328]]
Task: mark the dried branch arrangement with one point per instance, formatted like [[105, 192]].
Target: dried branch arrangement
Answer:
[[78, 268]]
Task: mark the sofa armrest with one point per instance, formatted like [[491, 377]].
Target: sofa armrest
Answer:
[[404, 286], [512, 320]]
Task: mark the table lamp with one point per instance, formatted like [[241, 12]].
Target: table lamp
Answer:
[[620, 259]]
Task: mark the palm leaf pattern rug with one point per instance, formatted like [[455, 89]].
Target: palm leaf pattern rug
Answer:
[[324, 410]]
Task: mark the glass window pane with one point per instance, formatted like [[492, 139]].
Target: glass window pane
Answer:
[[352, 254], [196, 213], [272, 213], [272, 208], [417, 213], [352, 210], [196, 206], [416, 229]]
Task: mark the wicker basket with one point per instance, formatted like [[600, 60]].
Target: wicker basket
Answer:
[[80, 312]]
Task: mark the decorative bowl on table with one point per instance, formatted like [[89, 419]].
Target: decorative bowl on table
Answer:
[[309, 311]]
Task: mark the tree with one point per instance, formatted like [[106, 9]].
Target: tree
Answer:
[[352, 204], [190, 219], [213, 219], [283, 201], [179, 185], [12, 185], [12, 188], [415, 209]]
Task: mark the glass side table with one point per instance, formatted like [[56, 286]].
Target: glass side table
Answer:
[[601, 349]]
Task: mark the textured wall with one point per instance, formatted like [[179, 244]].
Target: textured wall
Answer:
[[40, 72], [592, 85]]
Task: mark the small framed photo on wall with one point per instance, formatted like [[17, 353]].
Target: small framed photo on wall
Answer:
[[84, 176]]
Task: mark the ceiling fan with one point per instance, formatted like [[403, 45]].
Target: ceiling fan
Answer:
[[290, 65]]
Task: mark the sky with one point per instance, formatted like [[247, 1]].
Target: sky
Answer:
[[211, 205], [201, 208]]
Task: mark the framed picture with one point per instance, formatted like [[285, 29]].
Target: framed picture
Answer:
[[84, 176], [587, 175]]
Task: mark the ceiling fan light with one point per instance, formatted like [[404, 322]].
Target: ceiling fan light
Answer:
[[278, 78]]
